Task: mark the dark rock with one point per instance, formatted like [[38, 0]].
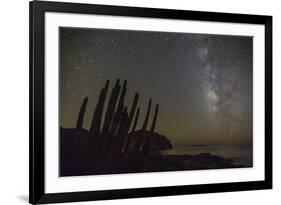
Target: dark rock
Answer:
[[158, 142]]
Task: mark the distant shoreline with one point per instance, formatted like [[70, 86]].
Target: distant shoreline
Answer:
[[199, 145], [241, 154]]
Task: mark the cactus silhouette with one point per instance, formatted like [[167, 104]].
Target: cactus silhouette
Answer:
[[118, 114], [110, 109], [136, 120], [147, 115], [133, 109], [154, 119], [114, 145], [96, 121], [82, 113]]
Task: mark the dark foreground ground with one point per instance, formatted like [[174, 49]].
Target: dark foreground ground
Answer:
[[79, 155]]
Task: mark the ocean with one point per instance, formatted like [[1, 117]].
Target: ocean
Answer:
[[242, 155]]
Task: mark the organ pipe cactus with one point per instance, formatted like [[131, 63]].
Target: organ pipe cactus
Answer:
[[96, 121], [110, 109], [118, 114], [111, 145], [154, 119], [133, 109], [147, 115], [136, 120], [82, 113]]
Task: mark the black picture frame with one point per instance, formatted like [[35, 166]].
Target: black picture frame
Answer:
[[37, 194]]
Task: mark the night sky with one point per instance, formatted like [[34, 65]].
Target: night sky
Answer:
[[202, 83]]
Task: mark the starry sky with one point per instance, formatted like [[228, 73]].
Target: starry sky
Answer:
[[202, 83]]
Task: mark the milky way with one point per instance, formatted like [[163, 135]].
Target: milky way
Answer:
[[203, 83]]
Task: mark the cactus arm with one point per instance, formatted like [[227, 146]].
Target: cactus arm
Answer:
[[154, 119], [147, 115], [79, 123]]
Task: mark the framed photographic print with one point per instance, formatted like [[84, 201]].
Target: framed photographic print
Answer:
[[140, 102]]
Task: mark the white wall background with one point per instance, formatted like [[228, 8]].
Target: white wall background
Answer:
[[14, 100]]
